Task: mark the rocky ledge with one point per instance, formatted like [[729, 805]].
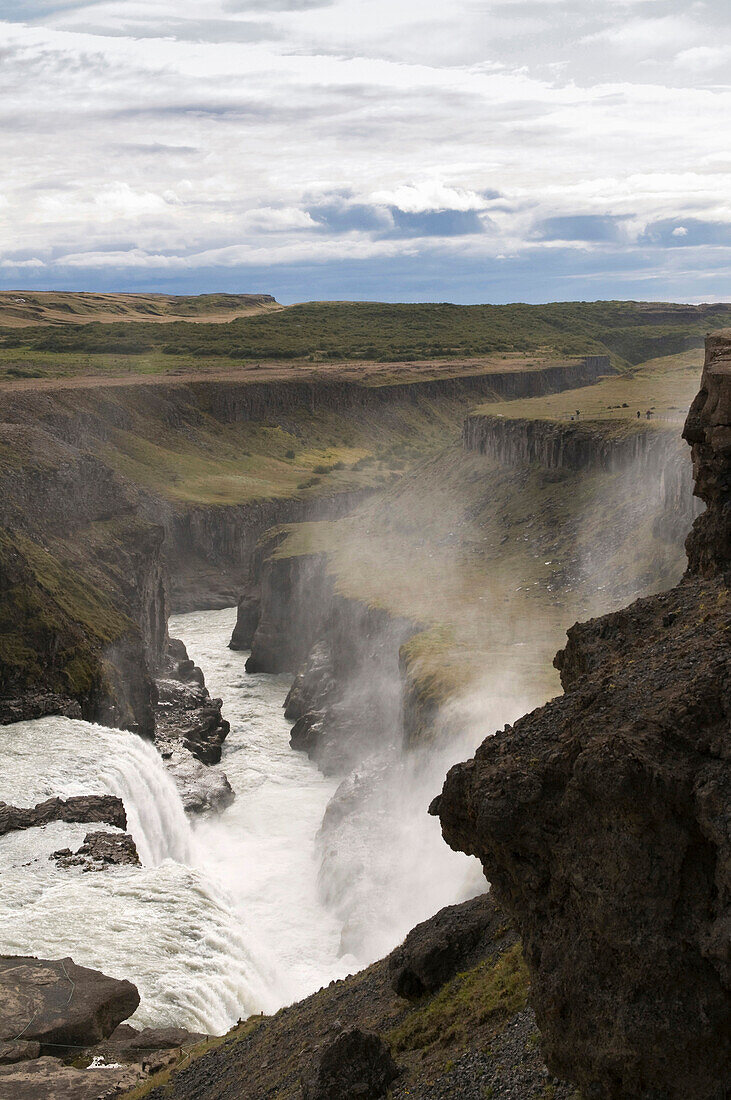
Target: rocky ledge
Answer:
[[82, 810], [99, 851], [62, 1036], [602, 820], [189, 732]]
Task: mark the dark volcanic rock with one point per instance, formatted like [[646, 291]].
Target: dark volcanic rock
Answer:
[[37, 704], [602, 821], [355, 1066], [99, 851], [59, 1004], [453, 940], [247, 620], [82, 810], [708, 430], [186, 715]]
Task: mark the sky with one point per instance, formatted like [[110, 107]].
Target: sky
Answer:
[[399, 150]]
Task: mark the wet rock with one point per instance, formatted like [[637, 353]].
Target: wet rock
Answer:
[[99, 851], [313, 685], [83, 810], [59, 1004], [50, 1079], [247, 620], [456, 938], [187, 714], [37, 704], [357, 1065], [202, 789]]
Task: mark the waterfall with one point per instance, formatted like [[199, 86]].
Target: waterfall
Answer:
[[169, 926], [66, 757]]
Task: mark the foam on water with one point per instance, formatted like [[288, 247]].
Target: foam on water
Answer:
[[168, 926]]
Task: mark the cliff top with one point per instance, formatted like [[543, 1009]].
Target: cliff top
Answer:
[[664, 387]]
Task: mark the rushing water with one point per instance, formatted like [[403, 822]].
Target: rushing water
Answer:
[[234, 913], [224, 918], [262, 848]]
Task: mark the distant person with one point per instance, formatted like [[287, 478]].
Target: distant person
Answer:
[[638, 414], [648, 414]]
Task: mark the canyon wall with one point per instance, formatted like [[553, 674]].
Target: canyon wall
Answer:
[[652, 451], [601, 819], [94, 549]]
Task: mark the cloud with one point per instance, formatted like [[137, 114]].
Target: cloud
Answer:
[[155, 136], [595, 228], [691, 233]]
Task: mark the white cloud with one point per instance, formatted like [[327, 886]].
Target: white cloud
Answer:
[[540, 101]]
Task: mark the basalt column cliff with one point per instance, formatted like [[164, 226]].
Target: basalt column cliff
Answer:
[[602, 819]]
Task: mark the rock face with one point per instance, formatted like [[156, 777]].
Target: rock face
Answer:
[[83, 810], [601, 820], [186, 715], [454, 939], [99, 851], [708, 430], [59, 1004], [356, 1064]]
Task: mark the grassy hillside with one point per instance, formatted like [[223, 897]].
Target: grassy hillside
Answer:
[[20, 309], [631, 332]]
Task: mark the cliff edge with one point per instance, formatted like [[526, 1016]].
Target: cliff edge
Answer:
[[602, 819]]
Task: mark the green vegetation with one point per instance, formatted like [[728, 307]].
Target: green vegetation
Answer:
[[486, 995], [370, 331], [53, 622], [664, 386]]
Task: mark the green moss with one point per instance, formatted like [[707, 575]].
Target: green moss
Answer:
[[53, 621], [490, 993]]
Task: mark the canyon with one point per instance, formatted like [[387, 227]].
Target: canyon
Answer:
[[405, 557]]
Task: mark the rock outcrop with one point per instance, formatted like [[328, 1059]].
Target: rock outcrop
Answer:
[[80, 810], [60, 1005], [601, 821], [99, 851], [186, 716], [356, 1063], [454, 939], [708, 430], [49, 1079]]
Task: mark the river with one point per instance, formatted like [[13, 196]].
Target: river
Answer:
[[230, 914]]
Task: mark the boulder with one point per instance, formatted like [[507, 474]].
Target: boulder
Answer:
[[201, 788], [59, 1004], [455, 939], [82, 810], [357, 1065], [99, 851]]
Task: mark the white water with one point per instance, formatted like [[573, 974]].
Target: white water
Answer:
[[224, 919], [235, 913], [263, 847], [167, 926]]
